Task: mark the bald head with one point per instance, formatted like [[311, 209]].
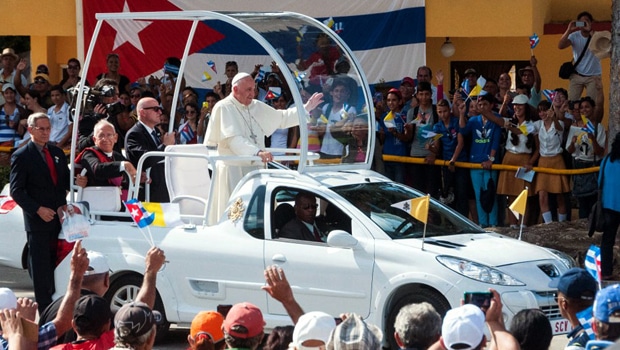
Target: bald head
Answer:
[[149, 111]]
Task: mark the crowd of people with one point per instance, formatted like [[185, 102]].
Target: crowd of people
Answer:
[[82, 318]]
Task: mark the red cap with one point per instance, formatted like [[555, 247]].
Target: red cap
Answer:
[[246, 315], [408, 80], [396, 92]]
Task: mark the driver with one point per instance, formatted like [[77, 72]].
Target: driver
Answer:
[[303, 226]]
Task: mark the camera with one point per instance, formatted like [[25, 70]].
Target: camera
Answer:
[[580, 24], [92, 98]]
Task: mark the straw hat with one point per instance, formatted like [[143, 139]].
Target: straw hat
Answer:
[[9, 52], [600, 44]]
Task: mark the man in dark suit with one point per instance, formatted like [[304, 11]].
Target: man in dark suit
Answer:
[[303, 226], [39, 183], [144, 137]]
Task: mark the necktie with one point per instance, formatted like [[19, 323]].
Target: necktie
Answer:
[[317, 235], [51, 165], [156, 137]]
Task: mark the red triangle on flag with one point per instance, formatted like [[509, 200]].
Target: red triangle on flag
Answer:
[[142, 46]]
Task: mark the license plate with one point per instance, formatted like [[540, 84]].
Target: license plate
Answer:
[[560, 326]]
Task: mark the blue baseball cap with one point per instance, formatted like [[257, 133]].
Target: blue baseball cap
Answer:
[[607, 304], [576, 283]]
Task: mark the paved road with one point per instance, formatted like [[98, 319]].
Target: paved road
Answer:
[[19, 282]]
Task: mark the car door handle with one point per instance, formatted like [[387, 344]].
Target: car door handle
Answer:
[[279, 258]]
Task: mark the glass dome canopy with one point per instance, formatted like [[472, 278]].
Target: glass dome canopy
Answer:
[[310, 56]]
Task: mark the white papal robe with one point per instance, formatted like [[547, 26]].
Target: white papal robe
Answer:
[[236, 129]]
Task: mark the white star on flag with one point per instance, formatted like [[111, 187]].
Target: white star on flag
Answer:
[[135, 212], [128, 31]]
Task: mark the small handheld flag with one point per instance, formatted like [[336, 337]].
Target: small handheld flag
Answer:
[[389, 120], [273, 93], [585, 318], [589, 127], [169, 68], [186, 134], [212, 65], [592, 263], [518, 206], [165, 214], [260, 76], [477, 90], [329, 22], [549, 94], [534, 40], [140, 216], [205, 76], [301, 32]]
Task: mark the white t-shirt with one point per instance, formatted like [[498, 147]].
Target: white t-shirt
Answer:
[[521, 147], [550, 139], [583, 147], [330, 145], [590, 65], [59, 121]]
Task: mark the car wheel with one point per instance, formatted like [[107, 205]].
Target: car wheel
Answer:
[[124, 290], [412, 296]]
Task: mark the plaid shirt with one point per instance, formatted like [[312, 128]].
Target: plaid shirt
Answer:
[[47, 337]]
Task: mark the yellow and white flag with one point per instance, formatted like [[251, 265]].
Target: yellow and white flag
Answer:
[[479, 86], [518, 206], [166, 214], [416, 207]]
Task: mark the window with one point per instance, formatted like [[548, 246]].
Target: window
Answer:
[[254, 222]]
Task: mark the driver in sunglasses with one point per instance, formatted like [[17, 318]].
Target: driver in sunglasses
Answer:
[[304, 225]]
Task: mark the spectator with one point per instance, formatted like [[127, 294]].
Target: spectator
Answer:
[[417, 326], [278, 288], [588, 71], [455, 181], [521, 151], [211, 99], [135, 326], [96, 281], [280, 338], [113, 65], [206, 331], [188, 131], [606, 312], [286, 137], [7, 73], [421, 120], [407, 91], [231, 69], [312, 330], [355, 139], [321, 63], [41, 86], [530, 77], [135, 94], [243, 326], [124, 99], [106, 107], [504, 87], [463, 329], [532, 329], [336, 113], [31, 101], [73, 75], [10, 115], [355, 333], [395, 135], [549, 131], [60, 118], [587, 146], [62, 322], [576, 291], [425, 74], [485, 139], [611, 206], [470, 82]]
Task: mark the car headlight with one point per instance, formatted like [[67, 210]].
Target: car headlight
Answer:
[[566, 259], [478, 271]]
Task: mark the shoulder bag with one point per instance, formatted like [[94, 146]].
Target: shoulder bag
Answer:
[[568, 68]]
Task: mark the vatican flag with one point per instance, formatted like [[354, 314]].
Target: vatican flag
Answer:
[[518, 206], [416, 207]]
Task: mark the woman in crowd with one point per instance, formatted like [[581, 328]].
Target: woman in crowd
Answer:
[[334, 117], [521, 151], [549, 131], [31, 102], [394, 135], [188, 131], [283, 138], [205, 114], [586, 143], [113, 64], [610, 168], [10, 115]]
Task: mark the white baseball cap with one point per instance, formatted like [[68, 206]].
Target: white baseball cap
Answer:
[[8, 300], [97, 264], [314, 325], [463, 326]]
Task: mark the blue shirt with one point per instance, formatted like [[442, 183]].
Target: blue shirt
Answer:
[[7, 133], [485, 138], [449, 139], [392, 145], [611, 186]]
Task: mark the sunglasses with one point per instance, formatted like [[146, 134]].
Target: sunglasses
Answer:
[[40, 81], [155, 108], [73, 67], [310, 206], [190, 112]]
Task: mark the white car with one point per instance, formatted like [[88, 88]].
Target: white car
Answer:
[[375, 258]]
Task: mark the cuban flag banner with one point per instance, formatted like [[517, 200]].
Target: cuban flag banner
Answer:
[[585, 318], [592, 263], [140, 216], [397, 30]]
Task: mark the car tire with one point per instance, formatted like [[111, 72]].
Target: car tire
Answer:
[[124, 290], [412, 296]]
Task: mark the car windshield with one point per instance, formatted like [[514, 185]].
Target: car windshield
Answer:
[[377, 201]]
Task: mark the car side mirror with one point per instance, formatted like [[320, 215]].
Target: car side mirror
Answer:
[[341, 239]]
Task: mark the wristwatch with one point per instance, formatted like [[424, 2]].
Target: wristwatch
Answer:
[[491, 158]]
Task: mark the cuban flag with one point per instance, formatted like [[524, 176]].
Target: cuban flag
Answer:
[[186, 134], [549, 94], [534, 40], [592, 263], [585, 318], [398, 30], [140, 216]]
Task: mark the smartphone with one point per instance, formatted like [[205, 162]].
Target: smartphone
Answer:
[[223, 309], [480, 299], [580, 24], [205, 104]]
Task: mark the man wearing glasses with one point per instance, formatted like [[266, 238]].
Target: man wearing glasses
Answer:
[[144, 137], [303, 226], [39, 180], [73, 75]]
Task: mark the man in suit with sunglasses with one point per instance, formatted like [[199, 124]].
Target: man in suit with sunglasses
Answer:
[[304, 225], [144, 137]]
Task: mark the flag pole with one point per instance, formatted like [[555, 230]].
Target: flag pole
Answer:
[[425, 223], [521, 226], [148, 229], [145, 237]]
